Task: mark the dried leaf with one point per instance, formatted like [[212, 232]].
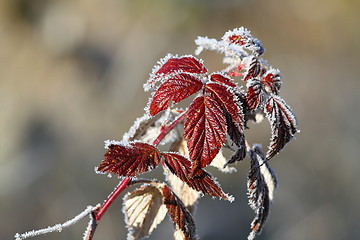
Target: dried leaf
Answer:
[[204, 129], [180, 215], [283, 124], [187, 195], [130, 160], [261, 186], [176, 88], [202, 181], [144, 210], [140, 127]]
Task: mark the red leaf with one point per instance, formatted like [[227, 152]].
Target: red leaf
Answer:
[[272, 82], [179, 214], [219, 78], [202, 181], [254, 69], [174, 89], [228, 101], [204, 129], [173, 64], [261, 186], [255, 95], [130, 160], [236, 39], [283, 124], [234, 116]]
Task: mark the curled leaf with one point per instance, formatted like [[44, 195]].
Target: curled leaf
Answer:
[[130, 160], [261, 186], [283, 124]]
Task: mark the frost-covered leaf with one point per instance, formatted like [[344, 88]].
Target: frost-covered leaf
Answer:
[[261, 186], [272, 81], [283, 124], [144, 210], [231, 105], [242, 37], [204, 129], [129, 160], [141, 127], [254, 69], [222, 79], [237, 137], [173, 64], [202, 181], [187, 195], [180, 215], [255, 95], [220, 163], [176, 88]]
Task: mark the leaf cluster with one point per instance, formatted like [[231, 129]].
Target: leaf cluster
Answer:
[[216, 119]]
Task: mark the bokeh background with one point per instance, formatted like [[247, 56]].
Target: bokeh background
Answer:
[[71, 75]]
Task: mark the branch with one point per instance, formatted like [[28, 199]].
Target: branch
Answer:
[[57, 227], [98, 211]]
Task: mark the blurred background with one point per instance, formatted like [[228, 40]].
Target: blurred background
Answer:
[[71, 76]]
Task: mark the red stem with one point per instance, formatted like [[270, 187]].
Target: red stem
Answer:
[[164, 131], [111, 198]]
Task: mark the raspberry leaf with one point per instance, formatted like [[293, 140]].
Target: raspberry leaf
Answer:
[[283, 124], [144, 210], [176, 88], [205, 130], [261, 185], [180, 215], [202, 181], [129, 160]]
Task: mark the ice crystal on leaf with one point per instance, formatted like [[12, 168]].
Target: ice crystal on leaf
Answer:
[[261, 186]]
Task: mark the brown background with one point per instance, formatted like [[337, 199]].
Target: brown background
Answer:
[[71, 75]]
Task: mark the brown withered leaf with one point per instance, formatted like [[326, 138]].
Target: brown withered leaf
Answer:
[[187, 195], [144, 210]]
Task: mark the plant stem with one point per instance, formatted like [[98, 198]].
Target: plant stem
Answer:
[[165, 130], [112, 197], [125, 182]]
